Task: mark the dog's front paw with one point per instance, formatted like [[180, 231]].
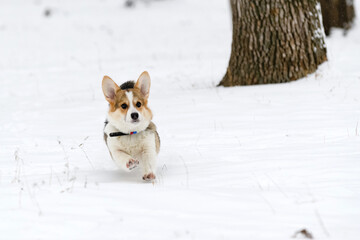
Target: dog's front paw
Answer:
[[131, 164], [149, 177]]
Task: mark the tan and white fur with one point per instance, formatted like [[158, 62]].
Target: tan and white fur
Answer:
[[129, 112]]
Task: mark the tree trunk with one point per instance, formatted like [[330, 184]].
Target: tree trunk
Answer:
[[274, 41], [337, 13]]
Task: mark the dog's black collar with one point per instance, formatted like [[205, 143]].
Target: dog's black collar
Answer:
[[118, 134]]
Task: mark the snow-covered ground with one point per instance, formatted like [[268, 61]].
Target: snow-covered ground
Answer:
[[258, 162]]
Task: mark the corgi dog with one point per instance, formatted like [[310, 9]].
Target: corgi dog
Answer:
[[129, 133]]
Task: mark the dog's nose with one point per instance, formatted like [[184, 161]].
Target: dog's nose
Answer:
[[134, 116]]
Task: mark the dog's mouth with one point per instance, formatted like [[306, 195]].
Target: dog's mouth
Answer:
[[135, 121]]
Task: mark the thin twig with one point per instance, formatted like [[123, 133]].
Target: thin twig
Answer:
[[87, 157], [277, 186], [67, 164], [19, 163], [85, 183], [73, 179], [81, 146], [32, 195], [321, 223], [59, 181], [186, 170]]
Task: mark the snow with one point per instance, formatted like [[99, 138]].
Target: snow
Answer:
[[256, 162]]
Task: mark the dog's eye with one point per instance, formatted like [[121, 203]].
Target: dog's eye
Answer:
[[138, 104], [123, 106]]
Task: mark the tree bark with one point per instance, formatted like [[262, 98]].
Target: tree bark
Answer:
[[337, 13], [274, 41]]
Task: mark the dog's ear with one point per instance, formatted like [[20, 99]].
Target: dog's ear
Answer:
[[143, 83], [109, 88]]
